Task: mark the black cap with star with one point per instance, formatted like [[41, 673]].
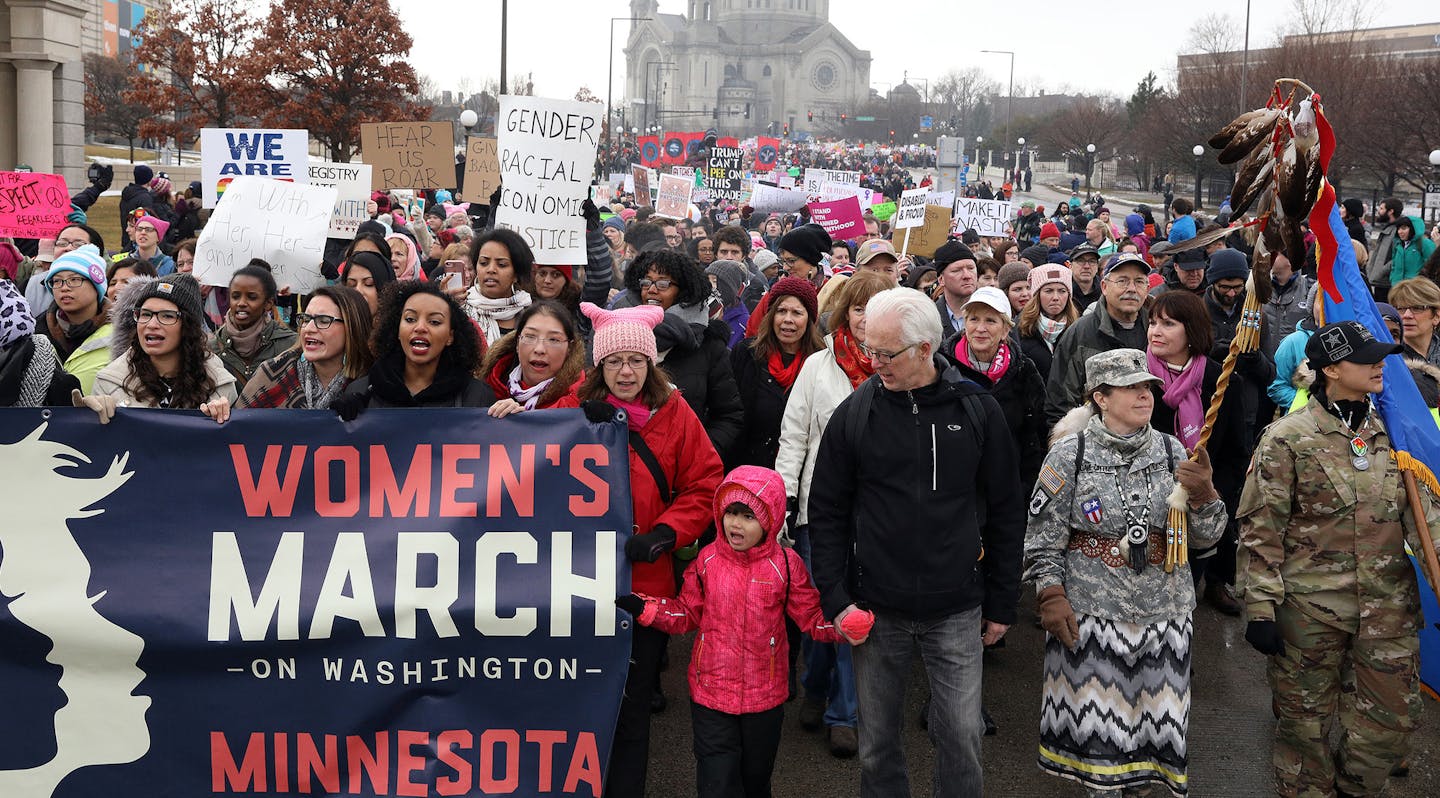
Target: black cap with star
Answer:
[[1348, 341]]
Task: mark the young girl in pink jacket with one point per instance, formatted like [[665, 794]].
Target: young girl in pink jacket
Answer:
[[737, 593]]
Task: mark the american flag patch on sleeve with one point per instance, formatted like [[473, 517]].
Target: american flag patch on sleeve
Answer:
[[1051, 481]]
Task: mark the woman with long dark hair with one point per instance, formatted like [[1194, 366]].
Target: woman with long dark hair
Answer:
[[537, 365], [331, 351], [767, 365]]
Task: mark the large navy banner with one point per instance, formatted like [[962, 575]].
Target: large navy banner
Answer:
[[417, 603]]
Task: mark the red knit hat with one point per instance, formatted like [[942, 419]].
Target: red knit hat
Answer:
[[803, 290], [624, 330], [1049, 230]]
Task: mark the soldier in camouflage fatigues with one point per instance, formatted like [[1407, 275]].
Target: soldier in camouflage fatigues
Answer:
[[1328, 588]]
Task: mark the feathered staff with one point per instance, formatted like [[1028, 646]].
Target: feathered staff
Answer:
[[1280, 175]]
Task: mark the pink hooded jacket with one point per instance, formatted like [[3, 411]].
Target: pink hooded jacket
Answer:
[[741, 656]]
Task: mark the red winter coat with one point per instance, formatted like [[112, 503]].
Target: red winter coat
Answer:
[[693, 470], [741, 657]]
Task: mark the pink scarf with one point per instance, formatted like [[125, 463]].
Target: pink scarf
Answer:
[[636, 414], [998, 365], [1182, 394]]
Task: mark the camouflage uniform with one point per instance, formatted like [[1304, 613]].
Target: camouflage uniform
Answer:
[[1322, 553]]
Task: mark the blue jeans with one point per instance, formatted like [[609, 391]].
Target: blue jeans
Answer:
[[951, 650], [829, 672]]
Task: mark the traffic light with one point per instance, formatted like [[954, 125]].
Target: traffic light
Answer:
[[810, 116], [786, 130], [842, 117]]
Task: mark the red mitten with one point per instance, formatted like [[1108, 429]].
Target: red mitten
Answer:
[[857, 624]]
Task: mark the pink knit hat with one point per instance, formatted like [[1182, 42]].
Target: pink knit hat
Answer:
[[1041, 276], [624, 330], [161, 227]]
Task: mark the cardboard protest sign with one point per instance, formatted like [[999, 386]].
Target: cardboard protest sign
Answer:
[[415, 602], [724, 177], [640, 178], [927, 238], [910, 211], [841, 218], [769, 199], [547, 149], [284, 223], [228, 153], [33, 204], [674, 199], [410, 154], [814, 178], [945, 198], [482, 170], [986, 217], [351, 182]]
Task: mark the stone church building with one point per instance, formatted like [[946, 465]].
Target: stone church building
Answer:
[[743, 67]]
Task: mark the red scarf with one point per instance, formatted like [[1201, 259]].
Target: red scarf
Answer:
[[849, 357], [783, 374]]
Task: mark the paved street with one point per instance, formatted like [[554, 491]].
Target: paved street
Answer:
[[1230, 728]]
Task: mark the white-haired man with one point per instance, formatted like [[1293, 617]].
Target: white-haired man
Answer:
[[905, 522]]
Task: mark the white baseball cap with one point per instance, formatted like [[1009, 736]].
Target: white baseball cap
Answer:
[[989, 296]]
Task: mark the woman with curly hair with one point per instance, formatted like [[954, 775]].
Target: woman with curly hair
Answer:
[[162, 356], [426, 351], [331, 351]]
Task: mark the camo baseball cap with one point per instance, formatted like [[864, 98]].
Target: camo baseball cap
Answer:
[[1117, 368]]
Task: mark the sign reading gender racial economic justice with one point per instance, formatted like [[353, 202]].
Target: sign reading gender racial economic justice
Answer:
[[482, 169], [418, 602], [673, 201], [351, 182], [409, 154], [927, 238], [228, 153], [724, 177], [33, 204], [284, 223], [841, 218], [986, 217], [547, 150], [911, 210]]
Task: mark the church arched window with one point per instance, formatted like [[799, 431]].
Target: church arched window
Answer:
[[766, 71]]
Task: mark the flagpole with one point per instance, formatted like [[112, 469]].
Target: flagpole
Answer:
[[1429, 563]]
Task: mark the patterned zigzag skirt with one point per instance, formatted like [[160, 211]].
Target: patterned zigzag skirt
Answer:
[[1115, 710]]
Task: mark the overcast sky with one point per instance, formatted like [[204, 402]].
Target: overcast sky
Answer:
[[1091, 49]]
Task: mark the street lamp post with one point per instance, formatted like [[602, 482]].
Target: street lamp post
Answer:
[[610, 79], [1010, 102], [1433, 212], [1199, 151], [468, 120], [1089, 165], [1020, 154], [504, 29], [978, 141]]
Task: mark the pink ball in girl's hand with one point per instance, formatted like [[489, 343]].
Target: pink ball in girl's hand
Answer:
[[857, 624]]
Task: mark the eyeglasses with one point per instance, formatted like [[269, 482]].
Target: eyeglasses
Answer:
[[1230, 289], [531, 339], [790, 261], [165, 317], [883, 357], [614, 363], [144, 228], [68, 281], [322, 321], [1413, 308], [674, 239], [658, 285], [70, 243], [1129, 282]]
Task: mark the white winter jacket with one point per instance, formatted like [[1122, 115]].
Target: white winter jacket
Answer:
[[820, 388]]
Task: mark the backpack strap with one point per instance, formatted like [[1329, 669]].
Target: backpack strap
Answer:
[[652, 463], [858, 412], [1075, 477], [1169, 454]]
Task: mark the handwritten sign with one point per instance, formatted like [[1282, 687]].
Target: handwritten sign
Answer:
[[640, 177], [945, 198], [674, 199], [815, 178], [283, 223], [769, 199], [911, 210], [927, 238], [547, 148], [351, 182], [482, 169], [228, 153], [724, 177], [841, 218], [986, 217], [410, 154], [32, 204]]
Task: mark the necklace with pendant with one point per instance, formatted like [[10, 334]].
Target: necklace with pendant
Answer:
[[1358, 448]]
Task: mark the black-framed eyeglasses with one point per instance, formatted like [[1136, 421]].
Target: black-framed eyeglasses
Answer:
[[69, 281], [165, 317], [880, 357], [322, 321], [658, 285]]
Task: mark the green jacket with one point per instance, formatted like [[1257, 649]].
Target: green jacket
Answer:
[[89, 357], [274, 339], [1406, 257]]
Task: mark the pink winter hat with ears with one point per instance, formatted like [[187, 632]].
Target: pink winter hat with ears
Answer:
[[624, 330], [161, 227]]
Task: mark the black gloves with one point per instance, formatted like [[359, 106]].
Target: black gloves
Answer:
[[348, 405], [631, 603], [649, 546], [598, 411], [495, 199], [792, 513], [1264, 636], [104, 176], [591, 214]]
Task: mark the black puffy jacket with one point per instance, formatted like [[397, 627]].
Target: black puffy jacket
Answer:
[[698, 362]]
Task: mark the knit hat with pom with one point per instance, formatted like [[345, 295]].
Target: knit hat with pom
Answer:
[[624, 330]]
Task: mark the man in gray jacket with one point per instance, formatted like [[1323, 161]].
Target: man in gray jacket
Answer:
[[1387, 216], [1118, 321]]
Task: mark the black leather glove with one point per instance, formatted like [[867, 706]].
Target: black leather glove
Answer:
[[1264, 636], [348, 405], [591, 214], [597, 411], [495, 199], [792, 512], [649, 546], [631, 603], [105, 175]]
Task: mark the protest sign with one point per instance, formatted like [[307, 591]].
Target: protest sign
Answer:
[[673, 201], [547, 149], [769, 199], [33, 205], [351, 182], [910, 212], [326, 608], [815, 177], [986, 217], [841, 218], [687, 172], [640, 177], [927, 238], [883, 210], [482, 170], [228, 153], [617, 179], [785, 180], [410, 154], [724, 177], [945, 198], [284, 223]]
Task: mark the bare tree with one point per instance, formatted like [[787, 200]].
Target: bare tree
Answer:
[[1100, 121], [108, 109], [964, 97]]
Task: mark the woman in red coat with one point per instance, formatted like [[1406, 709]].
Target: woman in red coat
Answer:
[[671, 508]]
